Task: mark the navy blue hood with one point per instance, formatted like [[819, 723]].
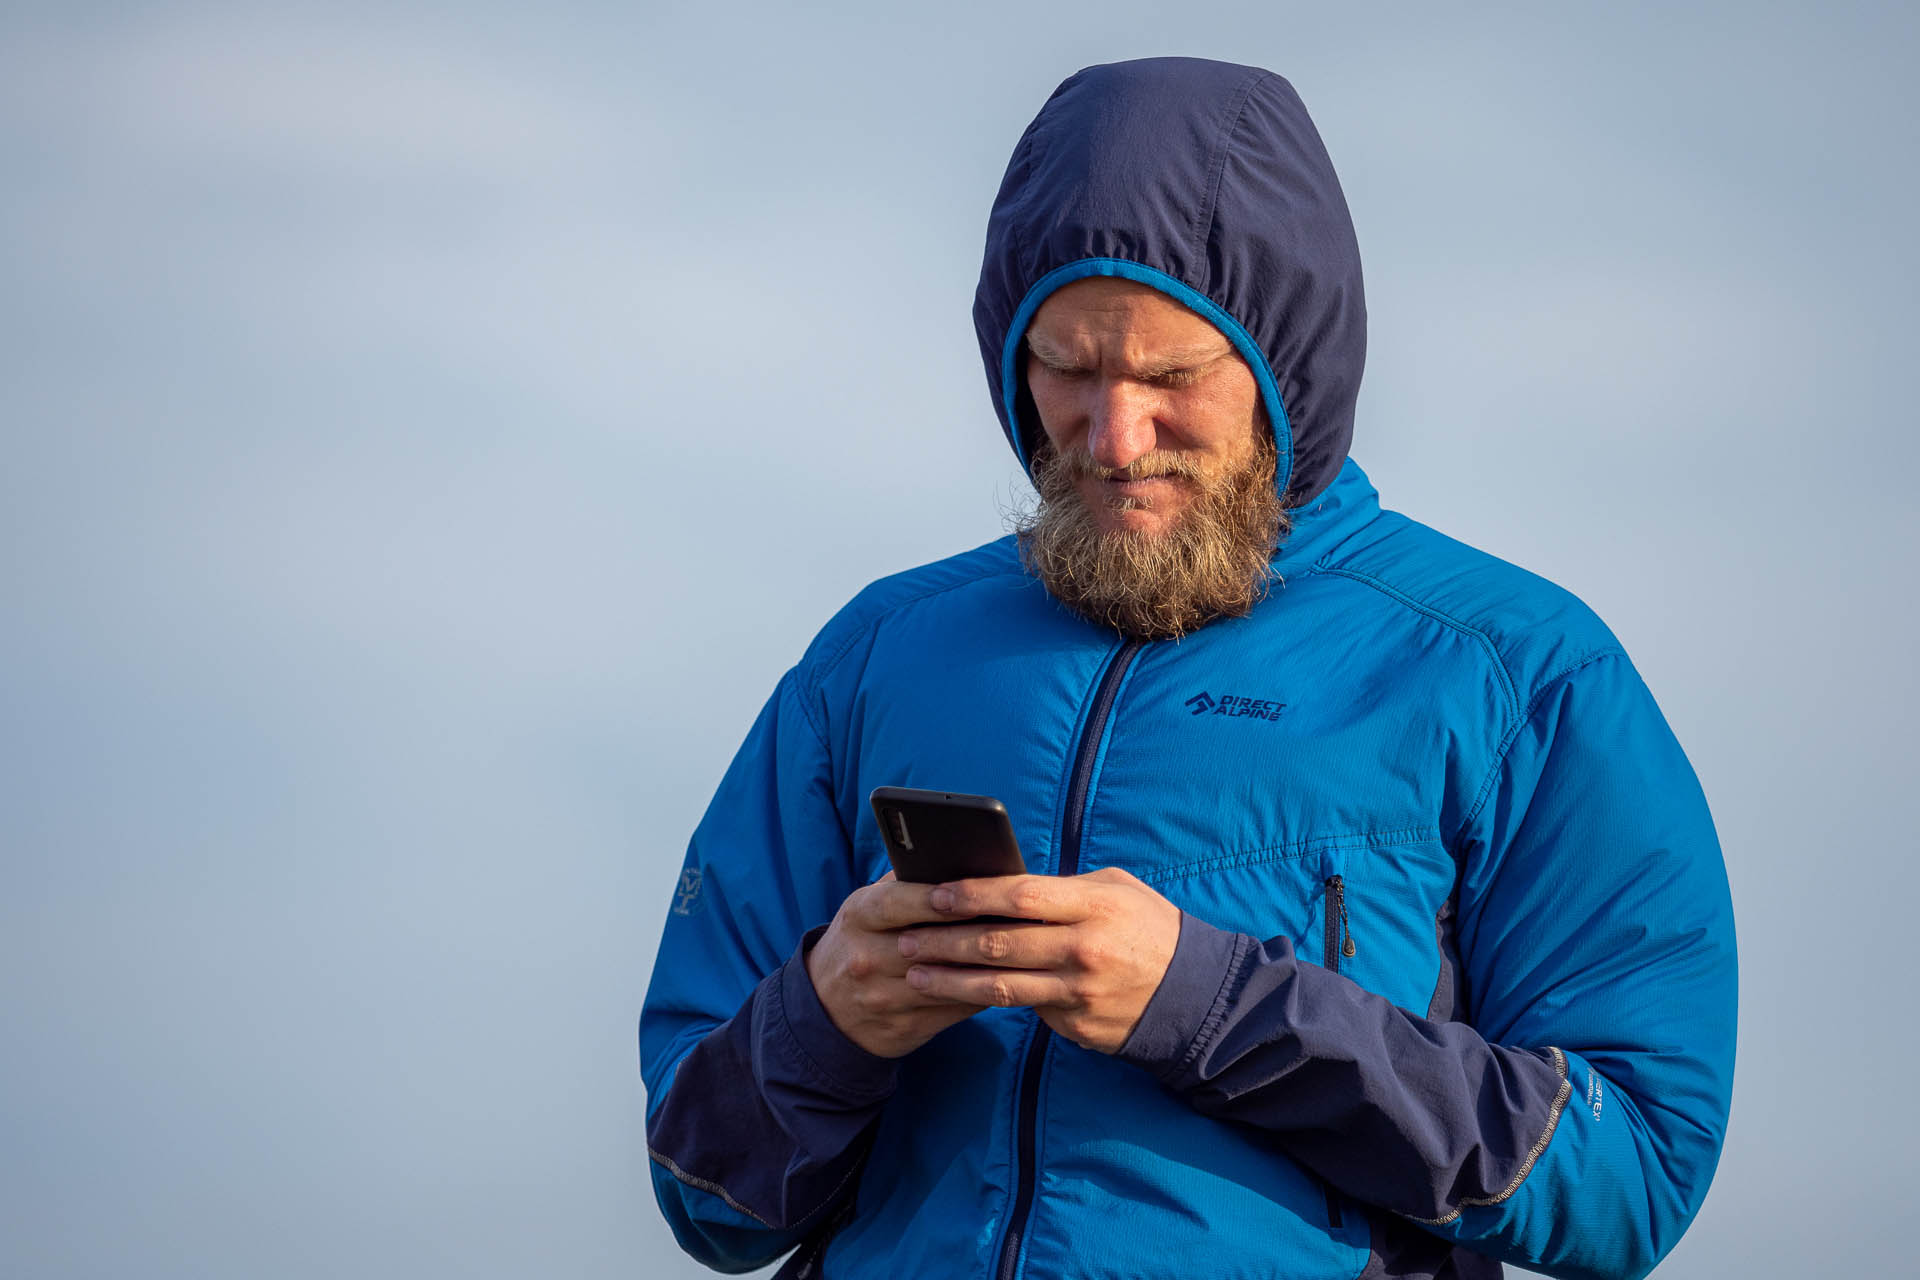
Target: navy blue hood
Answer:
[[1207, 181]]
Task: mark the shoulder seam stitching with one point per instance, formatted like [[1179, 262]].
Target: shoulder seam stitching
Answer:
[[1513, 735], [821, 670], [805, 702], [1486, 641]]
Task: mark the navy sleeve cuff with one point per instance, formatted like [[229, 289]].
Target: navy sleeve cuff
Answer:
[[855, 1075], [1186, 1007]]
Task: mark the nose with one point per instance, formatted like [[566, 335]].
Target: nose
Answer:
[[1120, 425]]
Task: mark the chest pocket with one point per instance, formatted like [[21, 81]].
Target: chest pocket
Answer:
[[1365, 905]]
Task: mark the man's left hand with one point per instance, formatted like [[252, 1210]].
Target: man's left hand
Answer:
[[1087, 953]]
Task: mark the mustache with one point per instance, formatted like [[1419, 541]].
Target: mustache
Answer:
[[1148, 466]]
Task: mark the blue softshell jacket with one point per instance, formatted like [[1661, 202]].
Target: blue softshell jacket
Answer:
[[1455, 980]]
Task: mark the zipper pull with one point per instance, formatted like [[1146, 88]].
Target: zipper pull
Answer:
[[1337, 924]]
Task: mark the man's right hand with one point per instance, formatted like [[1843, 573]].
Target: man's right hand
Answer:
[[861, 977]]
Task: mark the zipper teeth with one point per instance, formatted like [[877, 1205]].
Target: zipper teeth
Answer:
[[1027, 1147], [1027, 1150], [1083, 762], [1336, 909]]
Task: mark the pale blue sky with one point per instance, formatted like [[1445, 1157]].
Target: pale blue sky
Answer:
[[431, 429]]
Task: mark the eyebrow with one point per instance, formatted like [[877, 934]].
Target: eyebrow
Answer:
[[1172, 362]]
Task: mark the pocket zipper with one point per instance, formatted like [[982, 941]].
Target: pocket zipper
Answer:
[[1339, 932], [1339, 942]]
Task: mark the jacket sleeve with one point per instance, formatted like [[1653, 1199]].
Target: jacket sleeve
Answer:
[[1573, 1122], [757, 1105]]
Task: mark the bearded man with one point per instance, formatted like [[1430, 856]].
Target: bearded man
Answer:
[[1378, 925]]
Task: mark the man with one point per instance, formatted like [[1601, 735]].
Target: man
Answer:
[[1379, 925]]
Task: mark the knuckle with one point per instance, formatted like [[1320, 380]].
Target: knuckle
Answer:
[[1026, 899], [1090, 953], [1001, 993], [860, 965], [996, 945]]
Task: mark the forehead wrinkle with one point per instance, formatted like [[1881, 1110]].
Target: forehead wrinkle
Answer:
[[1181, 359], [1153, 365]]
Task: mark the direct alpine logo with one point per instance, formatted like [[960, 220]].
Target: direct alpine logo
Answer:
[[1233, 704], [686, 895]]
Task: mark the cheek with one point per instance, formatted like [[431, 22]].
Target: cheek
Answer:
[[1057, 407], [1225, 421]]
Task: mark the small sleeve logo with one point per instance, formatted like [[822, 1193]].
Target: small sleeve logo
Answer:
[[686, 895]]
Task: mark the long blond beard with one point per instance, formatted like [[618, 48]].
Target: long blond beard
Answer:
[[1214, 562]]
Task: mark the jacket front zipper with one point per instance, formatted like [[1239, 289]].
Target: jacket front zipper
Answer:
[[1079, 795]]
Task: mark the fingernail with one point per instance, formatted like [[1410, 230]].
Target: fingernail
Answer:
[[941, 899], [917, 979], [909, 945]]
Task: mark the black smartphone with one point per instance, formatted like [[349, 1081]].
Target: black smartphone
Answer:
[[934, 836]]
